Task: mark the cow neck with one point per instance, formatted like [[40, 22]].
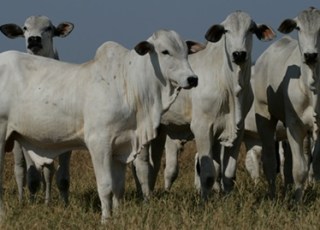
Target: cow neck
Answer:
[[240, 76], [226, 74], [152, 96]]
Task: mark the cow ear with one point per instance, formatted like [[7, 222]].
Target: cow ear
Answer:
[[287, 26], [143, 48], [215, 33], [264, 33], [12, 30], [194, 47], [63, 29]]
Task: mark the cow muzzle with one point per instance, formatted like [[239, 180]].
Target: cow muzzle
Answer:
[[310, 58], [192, 82], [35, 44], [239, 57]]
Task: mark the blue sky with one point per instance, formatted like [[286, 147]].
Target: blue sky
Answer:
[[129, 22]]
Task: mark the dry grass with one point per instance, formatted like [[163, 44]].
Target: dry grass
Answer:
[[245, 208]]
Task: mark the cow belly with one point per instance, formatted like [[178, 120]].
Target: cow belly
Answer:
[[46, 129], [46, 137]]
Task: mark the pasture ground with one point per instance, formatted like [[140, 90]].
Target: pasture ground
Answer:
[[245, 208]]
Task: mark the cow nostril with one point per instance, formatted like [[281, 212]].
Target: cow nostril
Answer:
[[310, 58], [239, 56], [192, 81], [34, 39]]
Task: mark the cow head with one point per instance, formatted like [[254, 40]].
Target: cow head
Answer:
[[238, 29], [308, 27], [38, 32], [169, 57]]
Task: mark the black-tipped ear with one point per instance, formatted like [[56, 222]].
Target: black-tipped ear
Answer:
[[63, 29], [143, 48], [11, 30], [194, 47], [264, 33], [215, 33], [287, 26]]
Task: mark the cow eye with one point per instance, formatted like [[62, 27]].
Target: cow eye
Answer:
[[165, 52], [25, 28], [298, 28]]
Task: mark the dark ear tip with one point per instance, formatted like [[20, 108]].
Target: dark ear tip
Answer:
[[194, 47], [265, 33], [70, 25]]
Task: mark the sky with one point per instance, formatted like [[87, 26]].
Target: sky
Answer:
[[130, 21]]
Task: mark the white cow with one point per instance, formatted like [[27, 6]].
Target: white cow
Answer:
[[286, 85], [38, 32], [216, 109], [111, 105]]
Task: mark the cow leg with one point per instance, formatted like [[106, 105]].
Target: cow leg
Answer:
[[173, 149], [2, 155], [266, 128], [216, 169], [299, 163], [157, 148], [307, 149], [253, 162], [229, 162], [204, 141], [141, 171], [19, 168], [48, 172], [101, 156], [316, 160], [118, 182], [217, 159], [33, 176], [146, 166], [63, 176], [286, 164]]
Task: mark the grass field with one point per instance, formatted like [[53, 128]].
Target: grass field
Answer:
[[245, 208]]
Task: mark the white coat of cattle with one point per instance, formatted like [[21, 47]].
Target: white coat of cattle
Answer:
[[111, 105], [38, 32], [286, 85], [216, 109]]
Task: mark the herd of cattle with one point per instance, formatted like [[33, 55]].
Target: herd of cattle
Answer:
[[128, 106]]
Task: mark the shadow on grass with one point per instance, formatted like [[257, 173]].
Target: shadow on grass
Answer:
[[90, 200]]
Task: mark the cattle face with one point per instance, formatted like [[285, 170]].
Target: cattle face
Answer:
[[38, 32], [169, 53], [306, 23], [238, 29]]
